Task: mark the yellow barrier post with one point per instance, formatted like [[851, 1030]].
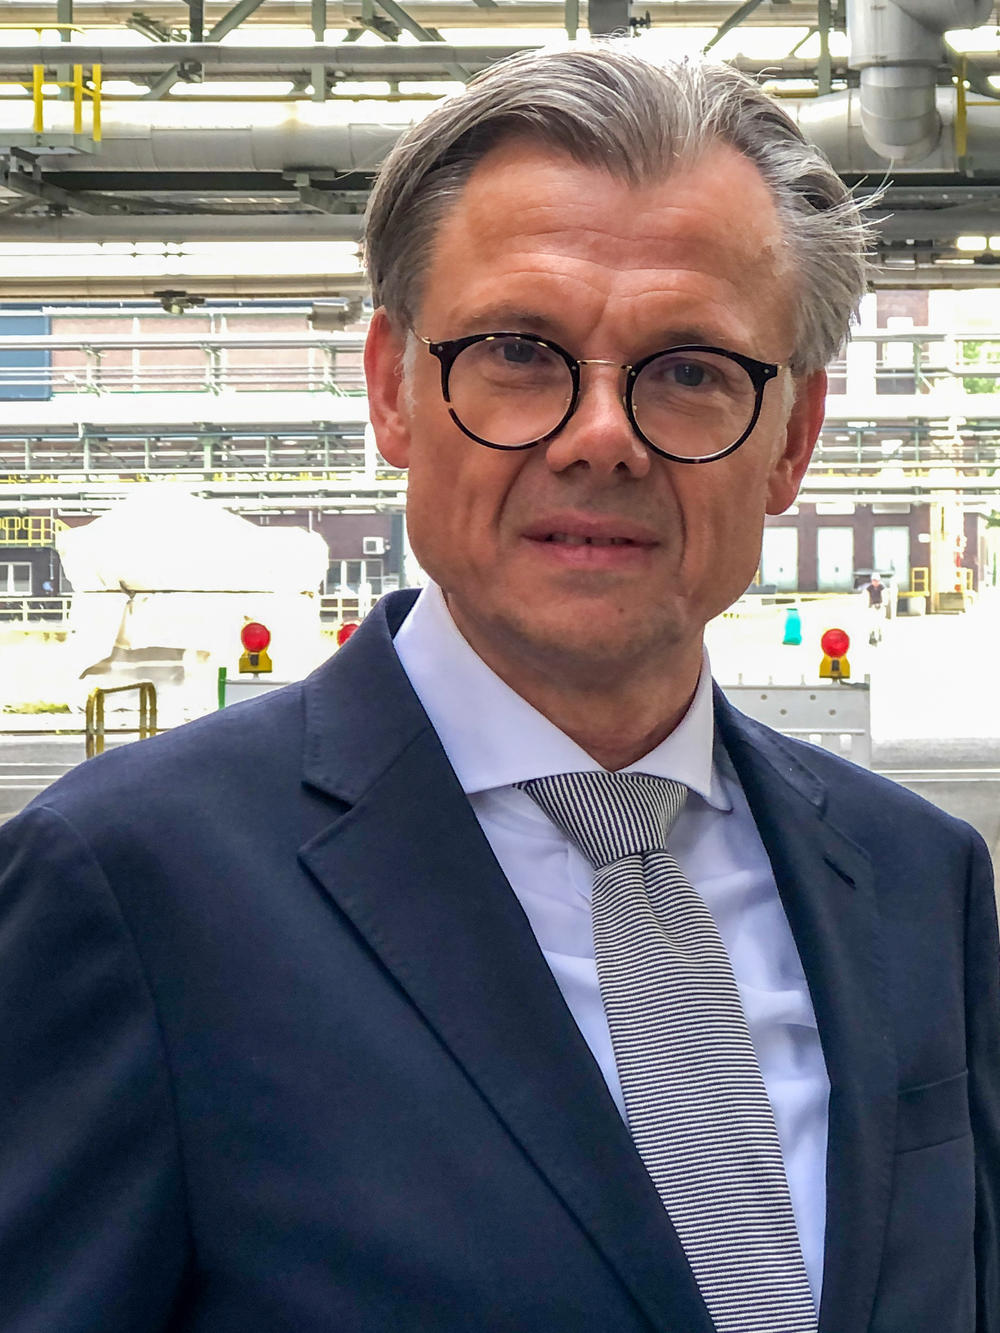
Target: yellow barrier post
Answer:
[[95, 113], [37, 79], [147, 709], [77, 86], [96, 731]]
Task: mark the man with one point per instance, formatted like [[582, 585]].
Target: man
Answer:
[[875, 590], [497, 977]]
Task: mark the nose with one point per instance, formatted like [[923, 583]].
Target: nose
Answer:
[[599, 434]]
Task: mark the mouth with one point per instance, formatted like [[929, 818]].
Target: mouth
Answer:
[[574, 539], [592, 545]]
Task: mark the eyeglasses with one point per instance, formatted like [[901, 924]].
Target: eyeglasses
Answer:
[[691, 404]]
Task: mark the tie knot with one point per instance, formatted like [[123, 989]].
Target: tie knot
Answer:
[[610, 815]]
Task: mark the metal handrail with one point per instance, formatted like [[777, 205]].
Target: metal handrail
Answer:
[[43, 611], [96, 731], [38, 82]]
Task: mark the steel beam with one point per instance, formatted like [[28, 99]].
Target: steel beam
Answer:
[[733, 21], [431, 13], [226, 24], [404, 21], [38, 191], [237, 15], [824, 66], [64, 14], [317, 76], [608, 16], [940, 224]]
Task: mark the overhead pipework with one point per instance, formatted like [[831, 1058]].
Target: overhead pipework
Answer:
[[898, 47]]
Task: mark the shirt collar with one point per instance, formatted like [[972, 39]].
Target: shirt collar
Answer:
[[494, 738]]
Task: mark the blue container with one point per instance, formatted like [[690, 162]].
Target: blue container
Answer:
[[793, 626]]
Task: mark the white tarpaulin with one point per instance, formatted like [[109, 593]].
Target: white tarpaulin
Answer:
[[165, 570]]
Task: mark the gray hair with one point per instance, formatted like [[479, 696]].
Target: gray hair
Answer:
[[609, 107]]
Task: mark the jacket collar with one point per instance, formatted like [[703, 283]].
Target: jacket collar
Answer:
[[349, 744]]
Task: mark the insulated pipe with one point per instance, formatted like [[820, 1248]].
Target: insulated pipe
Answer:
[[180, 227], [429, 13], [425, 59], [897, 45], [304, 137], [181, 136]]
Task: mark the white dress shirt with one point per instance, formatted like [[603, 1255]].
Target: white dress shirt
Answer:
[[494, 738]]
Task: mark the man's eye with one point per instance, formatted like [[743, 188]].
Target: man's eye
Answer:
[[689, 375], [518, 352]]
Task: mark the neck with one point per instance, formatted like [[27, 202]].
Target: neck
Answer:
[[617, 709], [615, 730]]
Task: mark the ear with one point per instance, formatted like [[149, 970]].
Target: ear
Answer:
[[801, 433], [386, 401]]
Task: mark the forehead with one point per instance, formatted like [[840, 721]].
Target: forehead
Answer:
[[533, 228]]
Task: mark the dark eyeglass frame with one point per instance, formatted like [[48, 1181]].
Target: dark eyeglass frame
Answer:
[[448, 350]]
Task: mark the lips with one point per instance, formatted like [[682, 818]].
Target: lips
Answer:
[[591, 544], [574, 539], [570, 529]]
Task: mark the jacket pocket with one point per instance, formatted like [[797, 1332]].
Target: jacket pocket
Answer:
[[933, 1113]]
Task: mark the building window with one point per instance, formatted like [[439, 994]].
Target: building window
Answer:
[[350, 576], [15, 580]]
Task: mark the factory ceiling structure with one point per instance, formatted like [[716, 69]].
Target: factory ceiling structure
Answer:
[[138, 121]]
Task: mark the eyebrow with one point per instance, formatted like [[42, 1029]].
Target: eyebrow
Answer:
[[497, 318], [502, 318]]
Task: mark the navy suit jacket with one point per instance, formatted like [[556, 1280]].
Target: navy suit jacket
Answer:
[[279, 1051]]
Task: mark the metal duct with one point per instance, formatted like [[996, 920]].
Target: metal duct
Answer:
[[162, 136], [391, 60], [178, 227], [214, 287], [835, 124], [898, 46], [151, 137], [430, 13]]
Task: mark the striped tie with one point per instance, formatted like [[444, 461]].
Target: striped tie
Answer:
[[697, 1106]]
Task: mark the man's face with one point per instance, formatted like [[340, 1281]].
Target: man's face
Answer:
[[519, 540]]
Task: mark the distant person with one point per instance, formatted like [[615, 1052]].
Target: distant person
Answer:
[[876, 592], [501, 977]]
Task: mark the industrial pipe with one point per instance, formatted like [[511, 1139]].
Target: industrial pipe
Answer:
[[897, 45]]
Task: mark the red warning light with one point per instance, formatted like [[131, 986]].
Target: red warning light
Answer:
[[345, 632], [835, 642], [255, 637]]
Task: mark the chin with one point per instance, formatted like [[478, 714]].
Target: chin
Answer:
[[593, 642]]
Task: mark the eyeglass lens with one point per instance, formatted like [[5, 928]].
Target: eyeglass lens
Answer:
[[511, 391]]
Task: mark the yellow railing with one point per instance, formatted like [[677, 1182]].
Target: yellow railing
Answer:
[[80, 88], [920, 579], [29, 529], [96, 730]]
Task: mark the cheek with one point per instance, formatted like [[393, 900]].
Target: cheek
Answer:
[[722, 517], [457, 494]]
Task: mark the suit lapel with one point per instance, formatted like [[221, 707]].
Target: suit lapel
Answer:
[[408, 865], [827, 890]]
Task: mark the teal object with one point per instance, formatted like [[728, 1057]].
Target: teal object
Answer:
[[793, 627]]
